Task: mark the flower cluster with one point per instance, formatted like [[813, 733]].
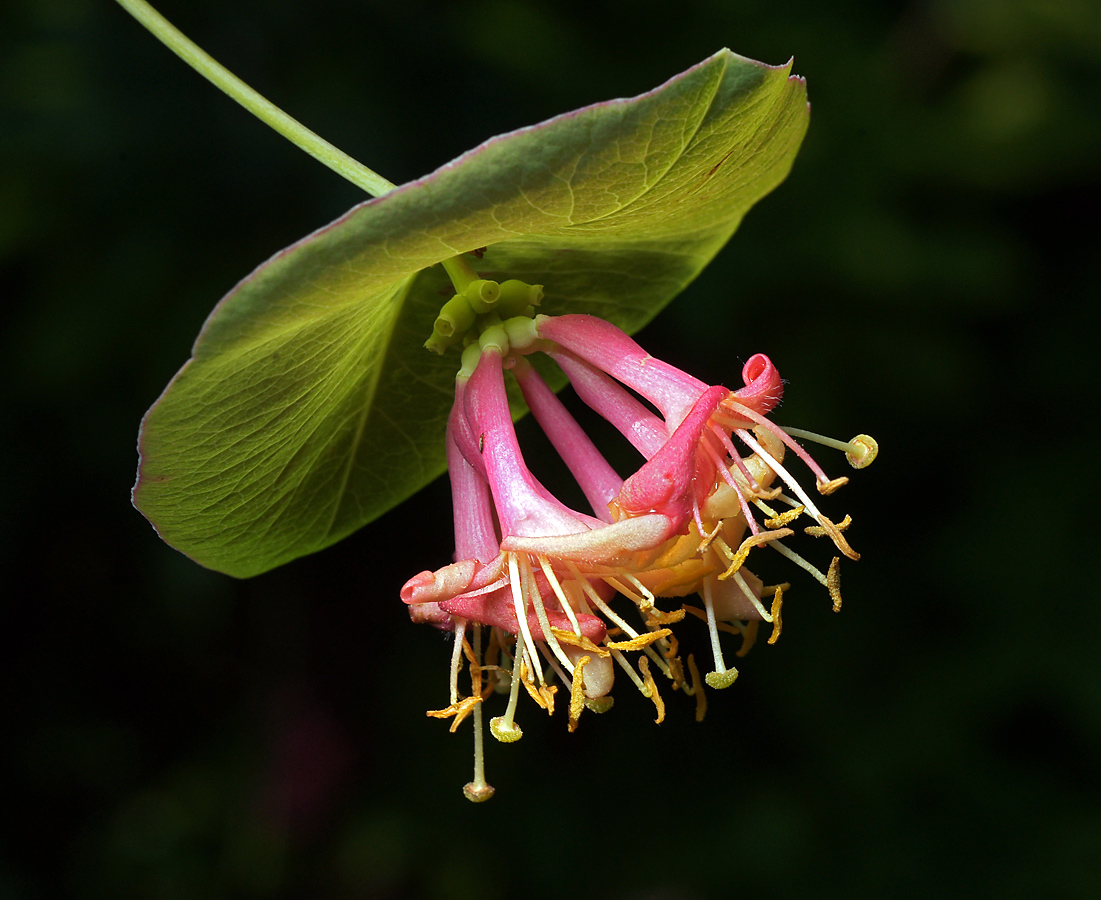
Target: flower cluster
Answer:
[[531, 593]]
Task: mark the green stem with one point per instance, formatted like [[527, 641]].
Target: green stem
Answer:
[[293, 130], [460, 271]]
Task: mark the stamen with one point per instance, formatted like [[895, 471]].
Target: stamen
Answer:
[[723, 548], [644, 665], [630, 670], [459, 710], [579, 641], [818, 531], [699, 524], [752, 597], [825, 488], [456, 658], [659, 662], [541, 613], [776, 467], [553, 663], [747, 513], [799, 561], [640, 642], [697, 688], [676, 667], [839, 542], [598, 602], [754, 540], [577, 692], [785, 518], [655, 616], [777, 604], [542, 693], [833, 582], [519, 601], [749, 638], [785, 436], [719, 461], [636, 598], [702, 616], [765, 508], [556, 586], [647, 594], [478, 791]]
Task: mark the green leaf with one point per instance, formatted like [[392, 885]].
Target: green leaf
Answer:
[[309, 406]]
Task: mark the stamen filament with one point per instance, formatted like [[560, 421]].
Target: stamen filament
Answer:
[[795, 446], [752, 597], [776, 467], [799, 561], [520, 602], [565, 679], [456, 658], [591, 593], [541, 613], [556, 586], [630, 670]]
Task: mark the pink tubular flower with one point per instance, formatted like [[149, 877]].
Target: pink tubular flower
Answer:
[[541, 577]]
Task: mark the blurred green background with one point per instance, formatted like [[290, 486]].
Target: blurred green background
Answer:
[[927, 274]]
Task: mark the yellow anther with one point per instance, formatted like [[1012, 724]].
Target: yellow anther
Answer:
[[648, 680], [579, 641], [839, 541], [819, 531], [638, 643], [833, 582], [777, 604], [459, 710], [828, 487], [754, 540], [577, 692], [655, 616], [785, 518]]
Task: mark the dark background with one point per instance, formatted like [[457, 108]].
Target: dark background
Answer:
[[926, 274]]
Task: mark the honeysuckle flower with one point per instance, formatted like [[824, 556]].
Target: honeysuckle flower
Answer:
[[542, 577]]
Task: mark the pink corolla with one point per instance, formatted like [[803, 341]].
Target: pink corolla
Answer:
[[529, 596]]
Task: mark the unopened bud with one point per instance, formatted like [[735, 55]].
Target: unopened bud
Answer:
[[482, 294], [517, 296]]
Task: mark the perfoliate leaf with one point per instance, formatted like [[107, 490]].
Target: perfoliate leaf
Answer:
[[309, 406]]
